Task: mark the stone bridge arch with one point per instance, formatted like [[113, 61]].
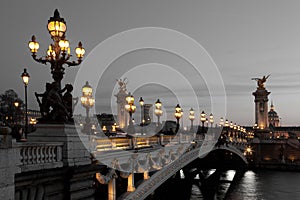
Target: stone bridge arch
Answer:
[[149, 186]]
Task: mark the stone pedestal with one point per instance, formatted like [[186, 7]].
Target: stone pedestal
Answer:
[[261, 107], [8, 169], [75, 146], [123, 116]]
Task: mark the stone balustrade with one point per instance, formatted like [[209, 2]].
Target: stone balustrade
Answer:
[[108, 144], [37, 156]]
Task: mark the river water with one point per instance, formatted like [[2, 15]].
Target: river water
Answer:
[[258, 185]]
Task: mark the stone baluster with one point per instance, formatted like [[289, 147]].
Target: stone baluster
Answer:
[[47, 148], [59, 153], [53, 152], [38, 154], [42, 154], [25, 156], [34, 155], [30, 156]]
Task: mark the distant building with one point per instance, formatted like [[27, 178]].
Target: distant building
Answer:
[[273, 117]]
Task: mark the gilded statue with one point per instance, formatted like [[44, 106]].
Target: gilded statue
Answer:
[[122, 83], [261, 81]]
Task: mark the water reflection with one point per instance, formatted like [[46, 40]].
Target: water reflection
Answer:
[[247, 188], [258, 185]]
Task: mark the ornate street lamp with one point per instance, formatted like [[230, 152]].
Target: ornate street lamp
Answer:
[[178, 115], [25, 77], [87, 101], [58, 53], [231, 125], [142, 109], [211, 119], [130, 108], [226, 123], [158, 112], [221, 122], [202, 119], [142, 114], [192, 118]]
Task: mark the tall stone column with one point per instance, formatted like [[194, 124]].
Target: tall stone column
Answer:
[[123, 116], [261, 103], [112, 194], [130, 186], [261, 107]]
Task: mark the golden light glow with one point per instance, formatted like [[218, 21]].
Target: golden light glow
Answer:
[[16, 104], [221, 121], [87, 90], [211, 118], [87, 100], [192, 114], [202, 117], [25, 76], [50, 51], [231, 125], [57, 28], [64, 45], [80, 51], [141, 101], [130, 99], [130, 107], [158, 104], [158, 112], [32, 121], [33, 45], [113, 128], [226, 123], [178, 112]]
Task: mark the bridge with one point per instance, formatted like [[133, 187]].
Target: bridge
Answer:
[[134, 167], [167, 156]]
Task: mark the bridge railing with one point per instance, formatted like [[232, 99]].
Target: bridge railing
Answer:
[[108, 144], [37, 156]]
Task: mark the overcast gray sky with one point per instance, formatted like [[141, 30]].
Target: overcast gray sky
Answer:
[[245, 39]]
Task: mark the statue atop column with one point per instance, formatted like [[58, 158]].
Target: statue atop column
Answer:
[[261, 103], [121, 102], [122, 84], [261, 81]]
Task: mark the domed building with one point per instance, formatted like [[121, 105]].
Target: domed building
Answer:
[[273, 117]]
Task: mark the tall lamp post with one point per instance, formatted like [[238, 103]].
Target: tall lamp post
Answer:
[[25, 77], [130, 108], [87, 101], [221, 122], [158, 112], [142, 114], [178, 115], [192, 117], [211, 120], [203, 119], [58, 53]]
